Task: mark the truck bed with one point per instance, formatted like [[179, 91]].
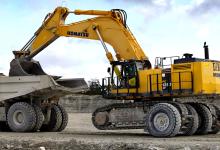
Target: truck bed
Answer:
[[37, 87]]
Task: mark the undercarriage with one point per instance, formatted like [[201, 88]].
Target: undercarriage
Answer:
[[160, 118]]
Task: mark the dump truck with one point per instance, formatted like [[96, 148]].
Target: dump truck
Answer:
[[164, 100], [31, 103]]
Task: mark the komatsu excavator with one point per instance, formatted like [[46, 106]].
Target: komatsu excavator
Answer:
[[164, 101]]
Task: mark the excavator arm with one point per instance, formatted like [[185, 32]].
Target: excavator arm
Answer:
[[108, 27]]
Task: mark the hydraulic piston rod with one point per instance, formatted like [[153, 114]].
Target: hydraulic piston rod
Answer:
[[108, 54], [91, 12]]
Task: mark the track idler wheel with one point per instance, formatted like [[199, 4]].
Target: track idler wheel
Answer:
[[163, 120], [100, 119]]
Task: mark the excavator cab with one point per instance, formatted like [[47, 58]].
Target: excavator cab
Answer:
[[124, 78], [128, 77]]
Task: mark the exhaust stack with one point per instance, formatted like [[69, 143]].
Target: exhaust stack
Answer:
[[206, 49]]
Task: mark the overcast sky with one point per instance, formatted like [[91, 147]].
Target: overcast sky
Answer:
[[162, 28]]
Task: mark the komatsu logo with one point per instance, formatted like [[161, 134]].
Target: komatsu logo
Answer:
[[216, 69], [216, 66], [82, 34]]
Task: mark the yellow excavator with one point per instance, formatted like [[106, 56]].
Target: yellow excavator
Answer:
[[166, 100]]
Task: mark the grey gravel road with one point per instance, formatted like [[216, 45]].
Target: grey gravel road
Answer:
[[80, 134]]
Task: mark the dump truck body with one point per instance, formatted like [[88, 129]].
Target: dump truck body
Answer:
[[36, 87]]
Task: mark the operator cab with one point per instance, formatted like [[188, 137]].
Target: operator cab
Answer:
[[124, 74]]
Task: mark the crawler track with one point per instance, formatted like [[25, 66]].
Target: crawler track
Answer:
[[112, 117]]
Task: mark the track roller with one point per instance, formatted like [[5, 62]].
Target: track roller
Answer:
[[55, 120], [163, 120], [21, 117]]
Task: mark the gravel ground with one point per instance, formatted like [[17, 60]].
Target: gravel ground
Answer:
[[81, 135]]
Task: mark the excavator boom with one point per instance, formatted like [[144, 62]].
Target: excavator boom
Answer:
[[107, 26]]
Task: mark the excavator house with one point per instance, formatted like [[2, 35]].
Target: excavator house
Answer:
[[164, 100]]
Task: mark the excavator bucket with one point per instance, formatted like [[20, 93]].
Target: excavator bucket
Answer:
[[23, 67]]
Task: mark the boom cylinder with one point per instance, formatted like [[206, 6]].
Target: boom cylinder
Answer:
[[91, 12]]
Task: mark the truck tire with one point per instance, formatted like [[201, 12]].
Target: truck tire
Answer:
[[21, 117], [55, 120], [39, 118], [64, 118], [205, 118], [215, 127], [183, 112], [193, 125], [163, 120]]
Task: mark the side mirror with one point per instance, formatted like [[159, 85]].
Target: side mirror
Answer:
[[109, 70]]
